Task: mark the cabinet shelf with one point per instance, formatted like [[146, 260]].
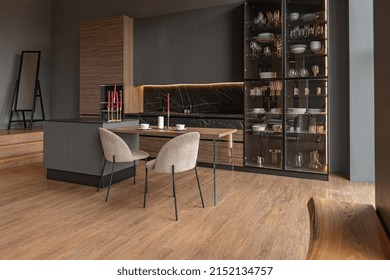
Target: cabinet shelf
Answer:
[[263, 165], [322, 170]]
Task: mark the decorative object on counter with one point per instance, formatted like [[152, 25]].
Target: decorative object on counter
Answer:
[[160, 122]]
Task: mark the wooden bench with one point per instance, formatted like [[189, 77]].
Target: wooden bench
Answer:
[[345, 231]]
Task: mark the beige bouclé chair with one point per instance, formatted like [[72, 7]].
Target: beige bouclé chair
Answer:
[[177, 155], [116, 150]]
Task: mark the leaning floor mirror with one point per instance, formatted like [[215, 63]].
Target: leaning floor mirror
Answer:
[[27, 89]]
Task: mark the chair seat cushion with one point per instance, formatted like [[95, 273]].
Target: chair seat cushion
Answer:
[[139, 154]]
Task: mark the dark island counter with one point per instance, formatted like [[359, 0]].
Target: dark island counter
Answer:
[[73, 153]]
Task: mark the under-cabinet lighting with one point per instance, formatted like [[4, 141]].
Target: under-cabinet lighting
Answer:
[[197, 85]]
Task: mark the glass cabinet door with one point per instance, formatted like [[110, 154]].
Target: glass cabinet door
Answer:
[[263, 74], [306, 86], [263, 123]]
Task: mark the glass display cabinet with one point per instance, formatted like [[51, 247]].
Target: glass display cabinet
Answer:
[[286, 87]]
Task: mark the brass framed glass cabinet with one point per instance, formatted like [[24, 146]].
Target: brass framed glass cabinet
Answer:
[[286, 87]]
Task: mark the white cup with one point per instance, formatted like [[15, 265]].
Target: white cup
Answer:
[[180, 126], [296, 91], [160, 122], [318, 91], [144, 125]]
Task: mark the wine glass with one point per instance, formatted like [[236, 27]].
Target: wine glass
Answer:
[[315, 70], [254, 46]]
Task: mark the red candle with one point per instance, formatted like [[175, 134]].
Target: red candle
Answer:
[[109, 99], [168, 104], [113, 100], [120, 101], [117, 101]]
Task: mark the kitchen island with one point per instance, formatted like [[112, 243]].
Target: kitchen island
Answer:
[[73, 153]]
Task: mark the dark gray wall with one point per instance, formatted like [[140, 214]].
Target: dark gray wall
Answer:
[[382, 112], [361, 101], [24, 25], [67, 16], [339, 86]]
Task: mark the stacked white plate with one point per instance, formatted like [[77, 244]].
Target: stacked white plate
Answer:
[[267, 75], [309, 16], [296, 110], [298, 48], [265, 37], [314, 111]]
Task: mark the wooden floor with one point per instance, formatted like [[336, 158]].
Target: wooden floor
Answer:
[[257, 216]]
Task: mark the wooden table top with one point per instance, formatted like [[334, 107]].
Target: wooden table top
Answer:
[[205, 133]]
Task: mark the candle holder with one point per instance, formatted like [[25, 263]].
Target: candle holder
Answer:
[[112, 102]]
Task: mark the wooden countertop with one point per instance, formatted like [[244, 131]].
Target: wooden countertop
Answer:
[[205, 133]]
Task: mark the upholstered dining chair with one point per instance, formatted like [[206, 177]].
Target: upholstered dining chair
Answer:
[[177, 155], [116, 150]]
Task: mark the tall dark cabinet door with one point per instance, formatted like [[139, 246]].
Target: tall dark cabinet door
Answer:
[[199, 46], [382, 113]]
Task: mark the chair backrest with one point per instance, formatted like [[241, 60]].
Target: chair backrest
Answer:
[[113, 145], [181, 151]]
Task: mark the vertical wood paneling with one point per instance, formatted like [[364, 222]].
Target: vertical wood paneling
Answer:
[[106, 57]]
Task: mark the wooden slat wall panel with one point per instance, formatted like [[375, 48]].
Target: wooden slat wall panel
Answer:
[[106, 57]]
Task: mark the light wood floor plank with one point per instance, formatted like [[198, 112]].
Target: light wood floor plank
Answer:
[[257, 216]]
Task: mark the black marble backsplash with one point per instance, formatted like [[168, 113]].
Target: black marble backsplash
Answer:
[[210, 98]]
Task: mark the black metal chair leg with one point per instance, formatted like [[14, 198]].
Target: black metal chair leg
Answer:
[[101, 176], [200, 191], [146, 186], [112, 172], [135, 170], [174, 191]]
